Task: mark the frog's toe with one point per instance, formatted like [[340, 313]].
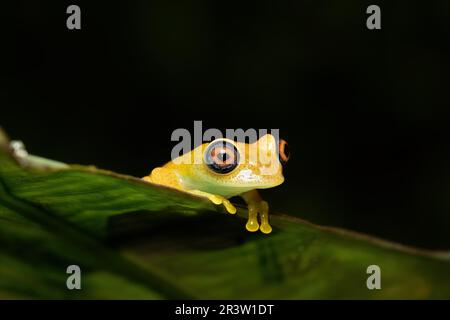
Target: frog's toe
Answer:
[[265, 228], [230, 208], [252, 225], [264, 215], [215, 199]]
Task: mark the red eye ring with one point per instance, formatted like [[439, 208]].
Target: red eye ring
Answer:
[[283, 151]]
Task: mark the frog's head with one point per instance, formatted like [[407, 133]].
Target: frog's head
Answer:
[[231, 164]]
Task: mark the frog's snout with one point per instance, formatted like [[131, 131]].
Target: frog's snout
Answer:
[[283, 151]]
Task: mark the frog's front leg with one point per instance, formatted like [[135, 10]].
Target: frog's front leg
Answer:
[[216, 199], [257, 205], [169, 178]]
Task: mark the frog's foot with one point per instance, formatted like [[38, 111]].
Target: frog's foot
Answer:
[[256, 205], [216, 199], [262, 208], [264, 215], [252, 223]]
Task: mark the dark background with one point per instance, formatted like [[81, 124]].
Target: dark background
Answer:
[[366, 113]]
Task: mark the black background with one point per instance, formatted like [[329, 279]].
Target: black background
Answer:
[[365, 112], [166, 308]]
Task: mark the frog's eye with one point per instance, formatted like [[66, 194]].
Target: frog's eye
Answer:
[[221, 157], [283, 151]]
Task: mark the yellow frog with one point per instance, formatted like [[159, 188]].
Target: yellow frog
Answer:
[[223, 169]]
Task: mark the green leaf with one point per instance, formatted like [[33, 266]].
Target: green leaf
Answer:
[[133, 239]]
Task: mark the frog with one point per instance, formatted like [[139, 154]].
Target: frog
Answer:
[[225, 168]]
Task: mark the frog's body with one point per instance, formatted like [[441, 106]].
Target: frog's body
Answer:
[[223, 169]]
